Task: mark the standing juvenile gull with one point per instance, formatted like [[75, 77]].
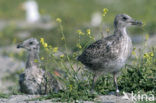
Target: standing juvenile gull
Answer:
[[33, 14], [109, 54], [35, 80]]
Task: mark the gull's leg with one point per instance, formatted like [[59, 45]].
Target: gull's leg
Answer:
[[116, 84], [93, 82]]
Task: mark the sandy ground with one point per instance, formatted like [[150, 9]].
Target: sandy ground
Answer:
[[8, 66], [26, 99]]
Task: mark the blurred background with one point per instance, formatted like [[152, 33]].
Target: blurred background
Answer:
[[22, 19]]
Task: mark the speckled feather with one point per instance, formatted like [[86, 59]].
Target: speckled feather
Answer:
[[104, 54]]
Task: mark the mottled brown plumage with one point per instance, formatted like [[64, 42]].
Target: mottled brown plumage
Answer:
[[109, 54], [35, 80]]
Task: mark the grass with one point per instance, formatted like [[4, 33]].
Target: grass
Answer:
[[2, 95]]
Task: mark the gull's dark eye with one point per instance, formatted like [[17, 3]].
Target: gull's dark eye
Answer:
[[30, 43], [124, 18]]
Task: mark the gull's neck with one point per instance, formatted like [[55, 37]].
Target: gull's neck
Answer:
[[33, 59], [120, 31]]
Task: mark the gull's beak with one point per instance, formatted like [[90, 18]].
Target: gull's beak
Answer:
[[135, 22]]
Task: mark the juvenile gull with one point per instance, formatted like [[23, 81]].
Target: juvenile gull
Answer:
[[35, 80], [108, 55], [32, 12]]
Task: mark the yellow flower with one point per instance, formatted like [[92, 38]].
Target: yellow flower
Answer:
[[58, 20], [105, 10], [80, 32], [133, 53], [62, 55], [151, 54], [36, 61], [55, 49], [79, 46], [45, 45], [42, 58], [42, 40], [88, 31], [146, 55]]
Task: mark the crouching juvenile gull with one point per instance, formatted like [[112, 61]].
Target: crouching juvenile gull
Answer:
[[35, 80], [109, 55]]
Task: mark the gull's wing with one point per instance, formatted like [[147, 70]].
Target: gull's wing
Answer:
[[101, 51]]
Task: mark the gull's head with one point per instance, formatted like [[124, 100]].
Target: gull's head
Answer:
[[30, 44], [123, 20]]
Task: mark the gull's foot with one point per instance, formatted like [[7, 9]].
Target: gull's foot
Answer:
[[117, 93], [112, 93]]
